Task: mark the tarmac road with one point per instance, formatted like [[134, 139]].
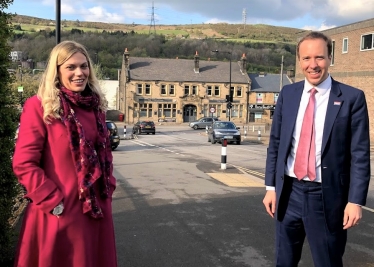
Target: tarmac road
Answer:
[[174, 206]]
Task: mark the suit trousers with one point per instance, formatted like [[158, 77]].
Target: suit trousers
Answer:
[[304, 216]]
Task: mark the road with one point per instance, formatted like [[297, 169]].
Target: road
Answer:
[[174, 206]]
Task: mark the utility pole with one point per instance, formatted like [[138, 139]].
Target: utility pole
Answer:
[[152, 20], [244, 17], [281, 77], [58, 21]]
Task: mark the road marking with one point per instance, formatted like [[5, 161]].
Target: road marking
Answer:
[[249, 171], [368, 209], [138, 143], [235, 180]]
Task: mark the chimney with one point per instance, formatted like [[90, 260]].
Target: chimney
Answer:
[[196, 59], [126, 56], [243, 64]]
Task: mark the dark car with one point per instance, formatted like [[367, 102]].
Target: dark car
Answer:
[[203, 122], [113, 134], [144, 127], [224, 129]]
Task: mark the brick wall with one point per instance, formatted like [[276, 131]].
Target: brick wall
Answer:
[[355, 67]]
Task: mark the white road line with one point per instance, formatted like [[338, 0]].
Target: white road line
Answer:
[[142, 143], [368, 209], [138, 143]]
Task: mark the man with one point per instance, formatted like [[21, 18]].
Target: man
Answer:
[[317, 167]]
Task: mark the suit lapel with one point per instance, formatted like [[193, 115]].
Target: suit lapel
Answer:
[[291, 109], [333, 107]]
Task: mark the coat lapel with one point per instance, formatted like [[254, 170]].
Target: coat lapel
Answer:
[[333, 107], [291, 109]]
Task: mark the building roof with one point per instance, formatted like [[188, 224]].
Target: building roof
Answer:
[[267, 82], [182, 70]]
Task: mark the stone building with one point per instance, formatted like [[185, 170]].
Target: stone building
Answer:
[[183, 90], [353, 59], [264, 94]]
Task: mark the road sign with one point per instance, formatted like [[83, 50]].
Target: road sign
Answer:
[[20, 89], [212, 109]]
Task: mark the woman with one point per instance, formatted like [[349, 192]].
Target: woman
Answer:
[[63, 159]]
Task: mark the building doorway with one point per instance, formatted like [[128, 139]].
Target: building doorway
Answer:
[[189, 113], [251, 117]]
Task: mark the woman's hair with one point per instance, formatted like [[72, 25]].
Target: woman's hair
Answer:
[[48, 91]]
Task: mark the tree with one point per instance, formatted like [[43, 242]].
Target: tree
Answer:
[[9, 121]]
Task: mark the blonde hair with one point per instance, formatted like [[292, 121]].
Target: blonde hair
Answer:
[[48, 91]]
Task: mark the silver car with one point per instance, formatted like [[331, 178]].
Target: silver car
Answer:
[[203, 122], [224, 129]]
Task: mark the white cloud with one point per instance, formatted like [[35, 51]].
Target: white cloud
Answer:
[[98, 13], [293, 13]]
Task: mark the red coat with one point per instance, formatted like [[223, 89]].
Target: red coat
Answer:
[[43, 164]]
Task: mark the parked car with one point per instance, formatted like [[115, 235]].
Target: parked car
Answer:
[[224, 129], [203, 122], [144, 127], [113, 134]]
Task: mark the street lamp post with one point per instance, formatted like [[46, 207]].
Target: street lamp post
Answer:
[[231, 92]]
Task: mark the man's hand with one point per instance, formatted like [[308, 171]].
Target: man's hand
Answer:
[[269, 202], [352, 215]]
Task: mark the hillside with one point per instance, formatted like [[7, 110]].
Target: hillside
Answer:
[[232, 32]]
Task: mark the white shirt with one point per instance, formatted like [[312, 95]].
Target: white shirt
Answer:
[[322, 98]]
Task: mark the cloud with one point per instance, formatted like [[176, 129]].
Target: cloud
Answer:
[[316, 14]]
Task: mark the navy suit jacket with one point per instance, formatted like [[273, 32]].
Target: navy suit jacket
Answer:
[[345, 154]]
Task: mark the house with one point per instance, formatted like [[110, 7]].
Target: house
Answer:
[[16, 55], [353, 59], [182, 90], [264, 94]]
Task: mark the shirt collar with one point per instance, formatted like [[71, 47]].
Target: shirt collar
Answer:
[[322, 88]]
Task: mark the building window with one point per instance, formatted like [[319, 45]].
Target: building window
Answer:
[[276, 95], [332, 53], [239, 91], [167, 110], [237, 111], [171, 89], [145, 110], [139, 89], [367, 41], [259, 98], [345, 45], [194, 89], [147, 89], [163, 89], [209, 90], [216, 90], [186, 90]]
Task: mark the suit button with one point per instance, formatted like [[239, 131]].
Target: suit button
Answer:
[[282, 177]]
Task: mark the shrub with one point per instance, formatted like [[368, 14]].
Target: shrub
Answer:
[[9, 118]]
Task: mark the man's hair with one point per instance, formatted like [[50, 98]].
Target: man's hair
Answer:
[[315, 35]]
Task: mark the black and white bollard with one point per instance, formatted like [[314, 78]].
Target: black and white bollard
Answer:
[[259, 134], [124, 131], [223, 154]]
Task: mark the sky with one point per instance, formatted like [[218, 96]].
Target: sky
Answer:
[[302, 14]]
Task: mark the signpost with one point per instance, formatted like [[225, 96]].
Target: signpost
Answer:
[[20, 90], [212, 110]]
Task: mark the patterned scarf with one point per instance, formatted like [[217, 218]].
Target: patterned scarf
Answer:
[[90, 158]]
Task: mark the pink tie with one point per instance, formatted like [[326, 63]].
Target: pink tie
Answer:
[[305, 161]]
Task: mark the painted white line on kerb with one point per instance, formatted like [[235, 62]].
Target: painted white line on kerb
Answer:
[[368, 209]]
